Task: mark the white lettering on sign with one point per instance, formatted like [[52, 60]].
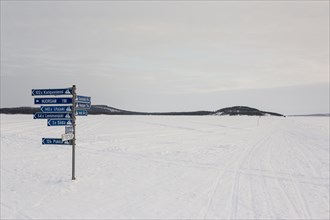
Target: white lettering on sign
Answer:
[[46, 101]]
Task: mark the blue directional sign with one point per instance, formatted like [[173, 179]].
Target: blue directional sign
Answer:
[[83, 99], [59, 122], [41, 115], [36, 92], [63, 108], [55, 141], [51, 101], [81, 112], [83, 105]]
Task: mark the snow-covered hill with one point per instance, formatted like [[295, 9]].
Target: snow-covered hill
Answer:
[[244, 110], [165, 167]]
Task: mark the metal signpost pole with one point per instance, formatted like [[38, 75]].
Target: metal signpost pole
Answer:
[[74, 95]]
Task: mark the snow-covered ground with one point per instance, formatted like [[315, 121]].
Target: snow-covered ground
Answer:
[[212, 167]]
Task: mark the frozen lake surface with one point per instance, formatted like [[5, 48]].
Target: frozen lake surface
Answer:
[[164, 167]]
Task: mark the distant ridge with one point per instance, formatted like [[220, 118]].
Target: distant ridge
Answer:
[[313, 115], [19, 110], [107, 110]]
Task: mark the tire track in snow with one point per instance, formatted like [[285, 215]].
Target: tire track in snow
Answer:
[[280, 180], [246, 160], [301, 202], [243, 156], [14, 211], [212, 192]]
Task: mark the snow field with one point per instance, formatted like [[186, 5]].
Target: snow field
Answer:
[[167, 167]]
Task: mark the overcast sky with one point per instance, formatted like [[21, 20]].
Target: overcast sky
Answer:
[[169, 56]]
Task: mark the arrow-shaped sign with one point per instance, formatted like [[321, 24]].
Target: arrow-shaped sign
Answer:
[[83, 99], [40, 115], [67, 108], [55, 141], [52, 101], [81, 112], [60, 122], [83, 105], [37, 92]]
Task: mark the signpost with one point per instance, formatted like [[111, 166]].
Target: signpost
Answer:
[[74, 96], [62, 114]]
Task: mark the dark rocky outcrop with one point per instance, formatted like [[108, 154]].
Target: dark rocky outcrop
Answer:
[[244, 110]]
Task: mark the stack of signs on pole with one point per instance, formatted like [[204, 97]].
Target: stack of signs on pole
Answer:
[[61, 111], [82, 103], [55, 110]]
